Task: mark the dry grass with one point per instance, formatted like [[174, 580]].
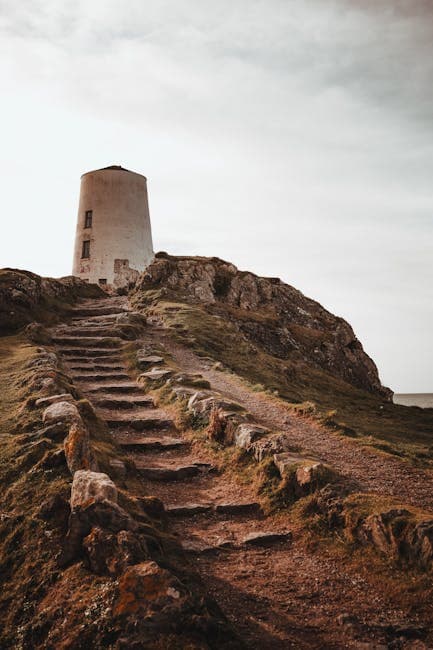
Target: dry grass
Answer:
[[212, 332]]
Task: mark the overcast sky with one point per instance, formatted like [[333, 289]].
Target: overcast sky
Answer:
[[291, 137]]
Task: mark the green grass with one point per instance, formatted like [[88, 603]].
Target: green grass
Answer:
[[213, 331]]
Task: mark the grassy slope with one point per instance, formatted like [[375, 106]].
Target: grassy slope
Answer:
[[211, 332]]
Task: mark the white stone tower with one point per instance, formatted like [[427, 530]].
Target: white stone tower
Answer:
[[113, 241]]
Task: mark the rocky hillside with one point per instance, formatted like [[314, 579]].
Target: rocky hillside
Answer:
[[27, 297], [166, 463], [271, 314]]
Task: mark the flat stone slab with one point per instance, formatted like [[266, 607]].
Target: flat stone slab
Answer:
[[90, 366], [238, 508], [124, 388], [94, 377], [139, 423], [123, 403], [189, 509], [266, 539], [178, 473], [154, 444], [168, 474], [155, 375], [86, 352], [89, 341]]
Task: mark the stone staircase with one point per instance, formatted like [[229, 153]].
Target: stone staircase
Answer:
[[92, 351]]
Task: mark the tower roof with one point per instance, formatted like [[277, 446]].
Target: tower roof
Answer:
[[115, 168]]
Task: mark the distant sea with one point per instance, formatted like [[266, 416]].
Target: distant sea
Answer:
[[425, 400]]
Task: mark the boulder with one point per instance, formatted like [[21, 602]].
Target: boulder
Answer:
[[269, 445], [204, 405], [63, 411], [111, 553], [307, 469], [146, 588], [246, 434], [88, 485], [222, 425]]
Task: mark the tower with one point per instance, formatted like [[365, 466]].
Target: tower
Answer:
[[113, 241]]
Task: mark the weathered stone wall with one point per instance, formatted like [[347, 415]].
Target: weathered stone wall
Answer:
[[120, 230]]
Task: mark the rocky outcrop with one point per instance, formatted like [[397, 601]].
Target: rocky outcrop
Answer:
[[26, 297], [273, 315], [402, 535]]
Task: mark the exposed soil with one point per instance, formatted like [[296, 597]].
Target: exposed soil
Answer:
[[290, 593]]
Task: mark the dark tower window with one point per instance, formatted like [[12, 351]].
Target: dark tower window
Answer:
[[88, 219], [86, 248], [102, 280]]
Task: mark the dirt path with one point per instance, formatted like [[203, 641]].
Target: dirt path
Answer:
[[278, 592], [372, 470]]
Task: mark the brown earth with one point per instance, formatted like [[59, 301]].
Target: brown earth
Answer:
[[300, 590]]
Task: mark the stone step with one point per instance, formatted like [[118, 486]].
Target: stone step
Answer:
[[139, 422], [126, 388], [89, 341], [150, 443], [199, 546], [189, 510], [252, 508], [177, 473], [92, 367], [108, 319], [89, 332], [114, 403], [97, 311], [92, 353], [92, 377]]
